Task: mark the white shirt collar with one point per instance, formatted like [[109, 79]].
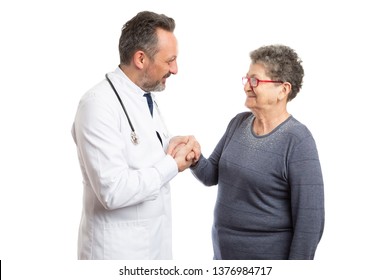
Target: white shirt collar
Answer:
[[126, 82]]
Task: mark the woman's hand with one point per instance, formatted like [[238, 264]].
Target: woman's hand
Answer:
[[185, 150]]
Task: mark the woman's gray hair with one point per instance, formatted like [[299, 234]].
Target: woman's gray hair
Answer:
[[139, 33], [281, 63]]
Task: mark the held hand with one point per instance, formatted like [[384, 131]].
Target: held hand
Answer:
[[181, 157], [194, 155], [175, 143], [185, 150]]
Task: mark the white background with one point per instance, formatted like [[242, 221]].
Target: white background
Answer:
[[54, 51]]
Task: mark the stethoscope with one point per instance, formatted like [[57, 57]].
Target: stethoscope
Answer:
[[133, 135]]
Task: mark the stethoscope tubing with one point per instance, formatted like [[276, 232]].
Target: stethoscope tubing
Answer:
[[134, 137]]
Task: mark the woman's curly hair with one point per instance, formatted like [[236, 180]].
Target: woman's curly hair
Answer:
[[281, 63]]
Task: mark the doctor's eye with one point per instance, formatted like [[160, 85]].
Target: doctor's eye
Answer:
[[173, 59]]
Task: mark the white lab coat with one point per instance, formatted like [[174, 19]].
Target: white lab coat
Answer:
[[126, 202]]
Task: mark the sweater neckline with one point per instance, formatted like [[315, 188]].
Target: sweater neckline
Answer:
[[270, 133]]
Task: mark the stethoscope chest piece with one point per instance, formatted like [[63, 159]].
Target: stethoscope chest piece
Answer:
[[134, 138]]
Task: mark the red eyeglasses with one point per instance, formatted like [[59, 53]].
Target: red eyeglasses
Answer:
[[254, 82]]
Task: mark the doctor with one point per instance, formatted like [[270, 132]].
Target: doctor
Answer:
[[121, 142]]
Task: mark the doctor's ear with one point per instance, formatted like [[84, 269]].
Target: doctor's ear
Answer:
[[139, 59]]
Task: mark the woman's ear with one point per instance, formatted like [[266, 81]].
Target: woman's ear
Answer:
[[285, 90]]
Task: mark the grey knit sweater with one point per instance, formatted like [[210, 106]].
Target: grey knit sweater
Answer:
[[270, 202]]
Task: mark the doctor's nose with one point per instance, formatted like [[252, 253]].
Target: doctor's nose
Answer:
[[173, 69]]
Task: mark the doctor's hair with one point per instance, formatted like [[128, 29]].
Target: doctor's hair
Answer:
[[281, 63], [140, 33]]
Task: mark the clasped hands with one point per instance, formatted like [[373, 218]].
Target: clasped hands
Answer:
[[185, 150]]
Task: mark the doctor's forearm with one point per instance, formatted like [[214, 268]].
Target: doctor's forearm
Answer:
[[118, 189]]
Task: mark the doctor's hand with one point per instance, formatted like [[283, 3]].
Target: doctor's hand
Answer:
[[178, 142], [185, 150]]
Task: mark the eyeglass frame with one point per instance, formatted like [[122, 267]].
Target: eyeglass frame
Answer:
[[245, 80]]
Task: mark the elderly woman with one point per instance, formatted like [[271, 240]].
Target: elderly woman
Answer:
[[270, 202]]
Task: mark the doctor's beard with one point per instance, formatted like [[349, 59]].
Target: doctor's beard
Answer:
[[149, 85]]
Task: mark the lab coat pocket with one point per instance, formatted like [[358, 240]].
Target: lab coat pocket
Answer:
[[126, 241]]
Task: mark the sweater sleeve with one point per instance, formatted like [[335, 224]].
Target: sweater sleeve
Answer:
[[206, 170], [307, 199]]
